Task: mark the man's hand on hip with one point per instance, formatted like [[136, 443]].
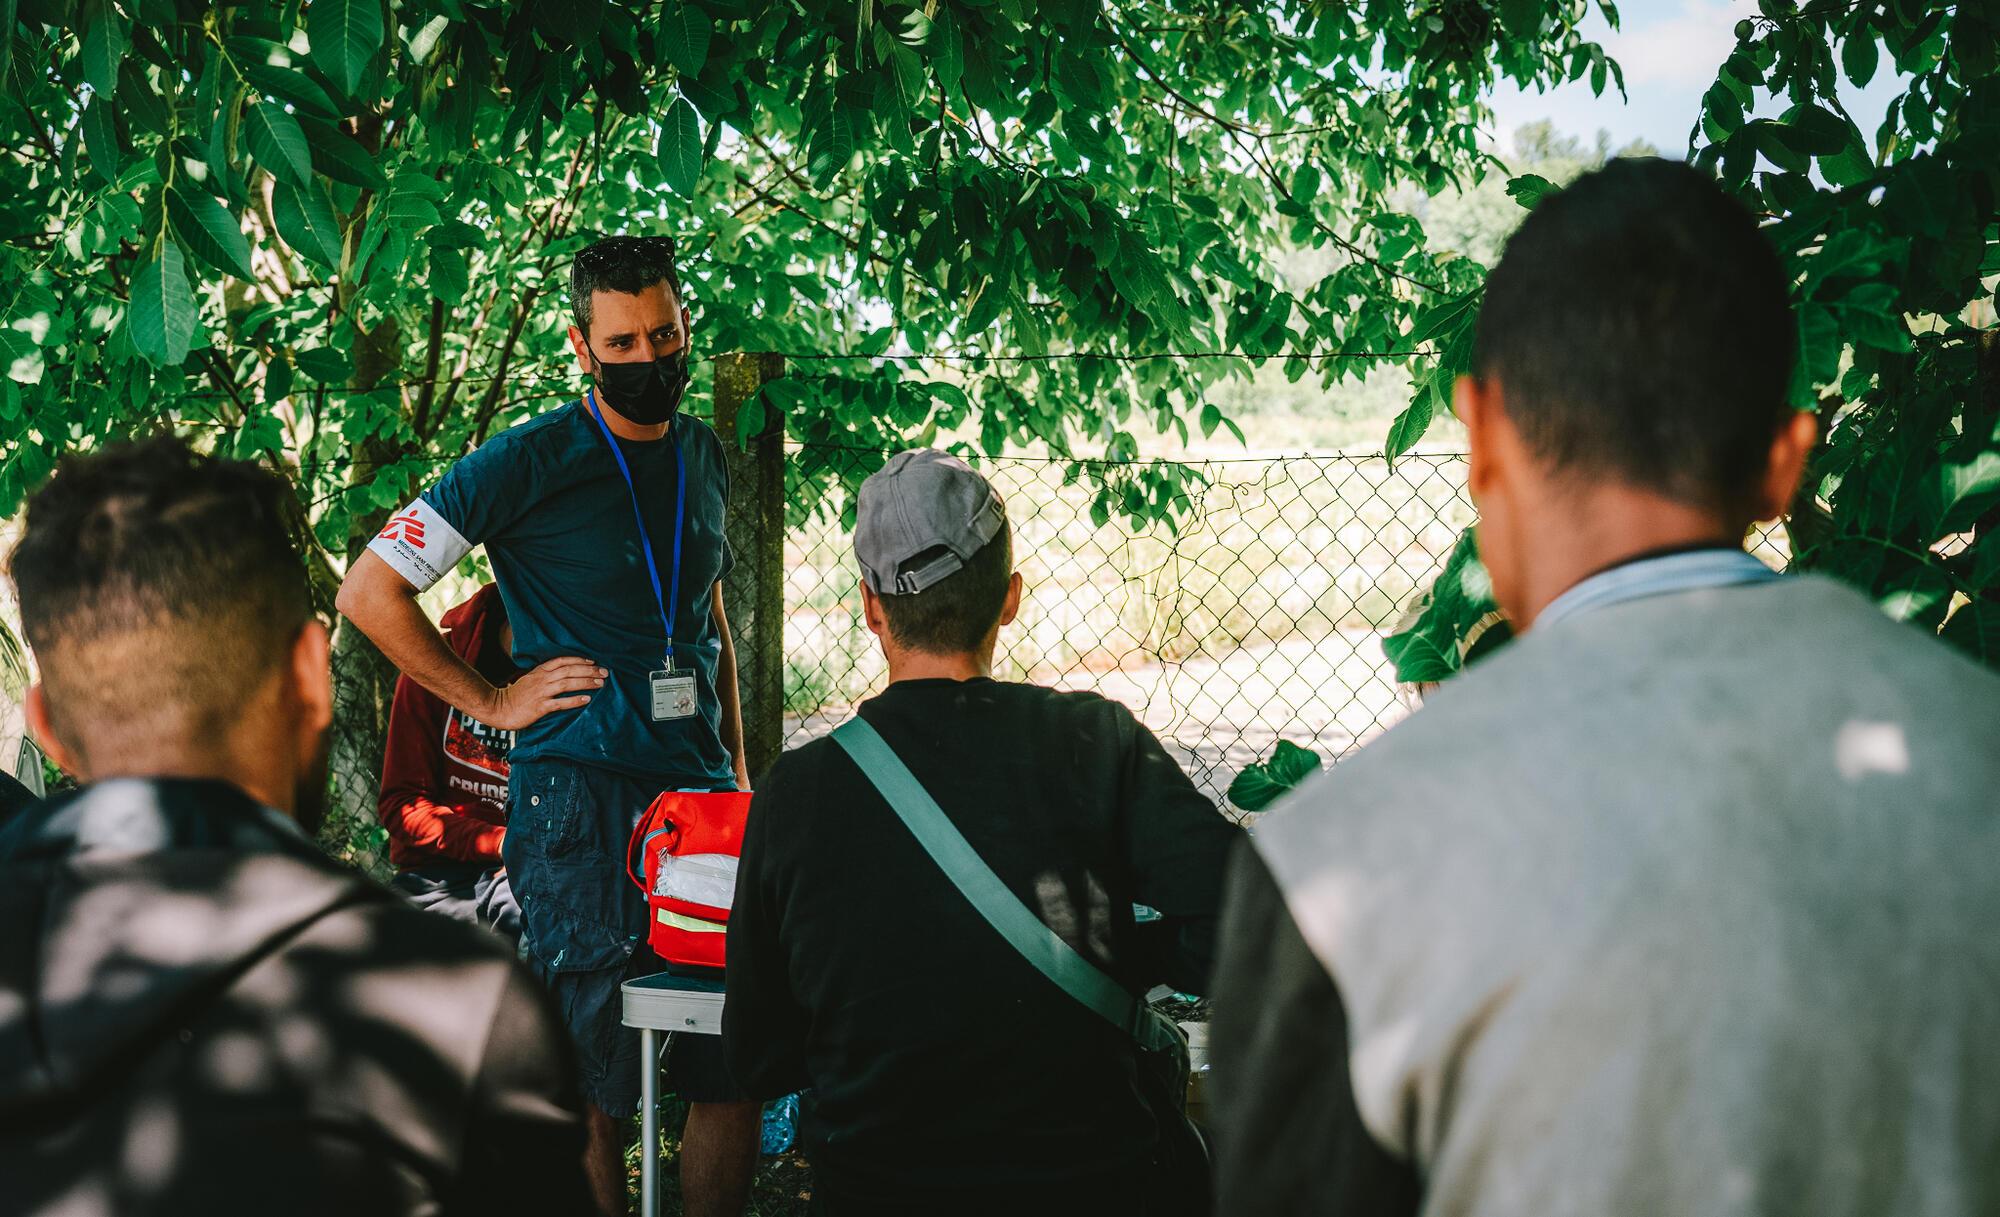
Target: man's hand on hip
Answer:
[[559, 684]]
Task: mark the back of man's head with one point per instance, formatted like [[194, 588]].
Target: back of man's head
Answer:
[[159, 590], [934, 546], [1639, 328]]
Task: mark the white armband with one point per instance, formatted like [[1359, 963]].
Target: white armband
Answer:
[[421, 544]]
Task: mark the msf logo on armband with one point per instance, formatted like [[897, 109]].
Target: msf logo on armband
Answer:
[[421, 544], [406, 527]]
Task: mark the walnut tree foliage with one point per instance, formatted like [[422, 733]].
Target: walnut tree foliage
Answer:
[[1890, 236], [333, 234]]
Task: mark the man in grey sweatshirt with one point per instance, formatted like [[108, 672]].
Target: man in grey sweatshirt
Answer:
[[1688, 901]]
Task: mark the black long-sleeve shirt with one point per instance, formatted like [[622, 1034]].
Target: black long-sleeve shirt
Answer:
[[945, 1066]]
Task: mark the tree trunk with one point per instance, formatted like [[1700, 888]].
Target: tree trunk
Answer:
[[364, 681]]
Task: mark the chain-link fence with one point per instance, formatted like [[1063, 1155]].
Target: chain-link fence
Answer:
[[1256, 614]]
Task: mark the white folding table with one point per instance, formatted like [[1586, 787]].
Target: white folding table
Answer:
[[653, 1004]]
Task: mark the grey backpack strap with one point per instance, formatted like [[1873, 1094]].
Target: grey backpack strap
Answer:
[[1025, 932]]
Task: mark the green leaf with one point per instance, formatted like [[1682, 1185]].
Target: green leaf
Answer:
[[277, 379], [1871, 318], [105, 42], [1774, 140], [1305, 184], [340, 156], [1858, 54], [684, 36], [1444, 317], [1919, 593], [326, 365], [345, 34], [680, 147], [910, 27], [831, 148], [1522, 18], [1261, 784], [406, 210], [456, 234], [8, 11], [1722, 108], [1975, 629], [1409, 427], [946, 52], [569, 23], [278, 143], [1964, 487], [1814, 131], [1530, 189], [162, 312], [451, 275], [1077, 75], [207, 228], [1452, 624], [750, 420], [292, 86], [425, 40], [100, 136], [305, 222]]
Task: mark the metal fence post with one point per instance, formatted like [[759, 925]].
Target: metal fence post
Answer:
[[753, 593]]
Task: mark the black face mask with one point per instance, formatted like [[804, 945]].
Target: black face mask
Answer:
[[647, 393]]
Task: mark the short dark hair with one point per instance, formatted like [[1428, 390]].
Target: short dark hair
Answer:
[[1639, 326], [954, 615], [620, 264], [178, 563]]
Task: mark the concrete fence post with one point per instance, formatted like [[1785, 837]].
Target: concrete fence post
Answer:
[[753, 594]]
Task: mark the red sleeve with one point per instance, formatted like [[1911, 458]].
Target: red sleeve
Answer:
[[415, 806]]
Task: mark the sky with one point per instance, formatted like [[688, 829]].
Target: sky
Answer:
[[1671, 51]]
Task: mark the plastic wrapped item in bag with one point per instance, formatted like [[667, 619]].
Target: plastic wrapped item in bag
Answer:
[[707, 879]]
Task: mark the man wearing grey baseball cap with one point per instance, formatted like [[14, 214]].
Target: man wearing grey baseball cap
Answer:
[[875, 965]]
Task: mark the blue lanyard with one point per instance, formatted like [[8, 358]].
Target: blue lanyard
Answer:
[[669, 606]]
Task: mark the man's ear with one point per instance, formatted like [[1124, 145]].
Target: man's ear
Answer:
[[1010, 608], [312, 676], [1472, 401], [582, 349], [43, 730], [687, 322], [871, 612], [1786, 464]]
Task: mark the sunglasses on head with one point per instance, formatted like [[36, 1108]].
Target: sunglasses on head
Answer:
[[616, 251]]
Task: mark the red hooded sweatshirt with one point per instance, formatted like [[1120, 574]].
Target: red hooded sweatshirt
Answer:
[[444, 774]]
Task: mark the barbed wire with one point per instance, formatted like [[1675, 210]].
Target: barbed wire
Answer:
[[1355, 458], [970, 357]]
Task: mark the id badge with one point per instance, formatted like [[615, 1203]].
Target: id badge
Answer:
[[673, 694]]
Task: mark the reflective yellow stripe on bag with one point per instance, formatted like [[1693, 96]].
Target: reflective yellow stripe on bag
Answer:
[[694, 925]]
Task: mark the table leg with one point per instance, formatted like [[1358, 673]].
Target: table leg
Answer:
[[649, 1122]]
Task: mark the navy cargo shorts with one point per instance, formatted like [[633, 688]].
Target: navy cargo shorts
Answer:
[[583, 925]]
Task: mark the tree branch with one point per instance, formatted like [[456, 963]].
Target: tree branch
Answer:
[[1248, 138], [763, 196], [432, 350], [489, 404]]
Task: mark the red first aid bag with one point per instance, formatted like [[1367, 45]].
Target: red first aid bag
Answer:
[[688, 844]]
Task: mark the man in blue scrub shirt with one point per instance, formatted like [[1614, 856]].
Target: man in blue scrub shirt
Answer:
[[603, 520]]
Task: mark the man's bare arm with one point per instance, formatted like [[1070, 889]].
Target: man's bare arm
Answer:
[[727, 692], [383, 605]]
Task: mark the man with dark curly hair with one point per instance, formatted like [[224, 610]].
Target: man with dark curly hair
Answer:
[[199, 1012]]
